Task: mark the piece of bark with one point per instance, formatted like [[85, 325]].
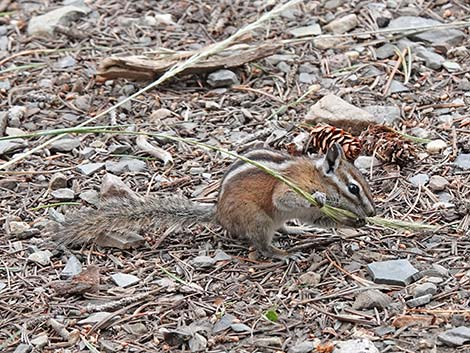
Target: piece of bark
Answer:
[[142, 68]]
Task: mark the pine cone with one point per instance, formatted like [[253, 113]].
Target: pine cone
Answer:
[[322, 137], [387, 145]]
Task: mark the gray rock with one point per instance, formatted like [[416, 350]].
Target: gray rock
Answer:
[[3, 122], [358, 345], [221, 256], [284, 67], [451, 66], [424, 289], [310, 278], [10, 146], [397, 87], [366, 162], [124, 280], [45, 24], [372, 299], [90, 168], [333, 4], [42, 257], [385, 51], [137, 329], [388, 114], [9, 184], [337, 112], [264, 342], [224, 323], [312, 30], [384, 330], [119, 149], [457, 336], [58, 181], [463, 161], [419, 301], [203, 261], [323, 43], [40, 340], [63, 194], [123, 241], [3, 285], [443, 272], [65, 144], [438, 183], [436, 146], [399, 272], [420, 132], [463, 84], [16, 114], [72, 267], [18, 227], [222, 78], [65, 62], [240, 328], [277, 58], [112, 186], [197, 343], [419, 179], [96, 317], [83, 103], [90, 196], [431, 58], [343, 24], [125, 165], [303, 347], [307, 78], [451, 37], [23, 348]]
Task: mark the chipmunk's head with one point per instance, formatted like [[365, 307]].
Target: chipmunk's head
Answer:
[[347, 187]]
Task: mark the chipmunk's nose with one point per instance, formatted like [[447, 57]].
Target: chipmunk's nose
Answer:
[[371, 211]]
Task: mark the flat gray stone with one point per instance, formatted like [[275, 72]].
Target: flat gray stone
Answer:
[[63, 194], [11, 146], [45, 24], [124, 280], [303, 347], [419, 179], [424, 289], [312, 30], [123, 241], [335, 111], [222, 78], [197, 343], [240, 328], [96, 317], [463, 161], [72, 267], [431, 58], [58, 181], [42, 257], [438, 183], [358, 345], [451, 66], [23, 348], [224, 323], [366, 162], [451, 37], [397, 87], [399, 272], [90, 168], [90, 196], [385, 51], [3, 285], [125, 165], [40, 340], [419, 301], [343, 24], [457, 336], [221, 256], [384, 114], [203, 261], [372, 299], [65, 145], [112, 186]]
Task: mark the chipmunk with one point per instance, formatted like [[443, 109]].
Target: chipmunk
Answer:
[[251, 203]]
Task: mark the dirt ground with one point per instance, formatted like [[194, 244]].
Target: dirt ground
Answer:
[[235, 303]]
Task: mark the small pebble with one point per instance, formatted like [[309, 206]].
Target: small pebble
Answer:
[[203, 261], [419, 301], [424, 289], [41, 257], [463, 161], [63, 194], [124, 280], [222, 78], [310, 278], [18, 227], [419, 179], [438, 183], [58, 181], [436, 146]]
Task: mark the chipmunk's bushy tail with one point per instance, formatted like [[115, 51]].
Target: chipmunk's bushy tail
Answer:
[[132, 214]]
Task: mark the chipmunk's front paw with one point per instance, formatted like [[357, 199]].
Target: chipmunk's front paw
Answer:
[[320, 198]]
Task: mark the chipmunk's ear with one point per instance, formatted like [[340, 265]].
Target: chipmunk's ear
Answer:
[[333, 157]]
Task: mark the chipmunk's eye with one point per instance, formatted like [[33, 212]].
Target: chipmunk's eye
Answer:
[[353, 189]]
